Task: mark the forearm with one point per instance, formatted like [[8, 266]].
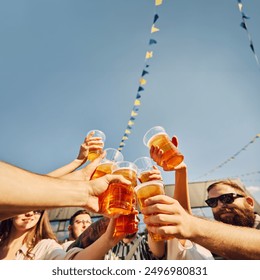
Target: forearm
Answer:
[[157, 248], [181, 191], [22, 191], [91, 234], [66, 169], [96, 251], [228, 241]]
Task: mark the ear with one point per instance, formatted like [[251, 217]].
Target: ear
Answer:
[[250, 201]]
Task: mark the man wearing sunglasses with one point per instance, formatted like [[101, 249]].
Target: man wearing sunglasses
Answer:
[[233, 235], [231, 205]]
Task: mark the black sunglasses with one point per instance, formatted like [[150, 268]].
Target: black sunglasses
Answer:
[[226, 198]]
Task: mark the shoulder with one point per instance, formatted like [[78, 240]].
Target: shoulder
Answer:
[[48, 243], [49, 249]]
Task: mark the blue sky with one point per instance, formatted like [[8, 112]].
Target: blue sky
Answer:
[[68, 66]]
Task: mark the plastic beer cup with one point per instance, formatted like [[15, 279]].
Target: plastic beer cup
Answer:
[[95, 152], [146, 190], [144, 165], [119, 196], [157, 136], [126, 224], [105, 167]]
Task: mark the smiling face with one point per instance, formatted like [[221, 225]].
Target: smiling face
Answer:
[[240, 212], [24, 222]]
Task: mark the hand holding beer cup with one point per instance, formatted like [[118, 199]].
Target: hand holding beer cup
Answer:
[[120, 196], [95, 140], [168, 156], [146, 170], [146, 190]]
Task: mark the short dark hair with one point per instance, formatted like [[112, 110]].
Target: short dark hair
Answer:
[[230, 183], [79, 212]]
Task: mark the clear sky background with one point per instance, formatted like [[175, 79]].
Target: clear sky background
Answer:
[[69, 66]]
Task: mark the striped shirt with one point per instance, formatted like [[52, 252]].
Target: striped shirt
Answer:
[[142, 252]]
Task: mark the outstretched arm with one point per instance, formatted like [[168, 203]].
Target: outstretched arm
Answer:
[[231, 242], [22, 191], [97, 250], [89, 142]]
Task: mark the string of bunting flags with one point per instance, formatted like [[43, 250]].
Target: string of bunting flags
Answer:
[[244, 25], [232, 157], [142, 79]]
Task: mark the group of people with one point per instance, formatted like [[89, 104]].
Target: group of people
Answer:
[[25, 231]]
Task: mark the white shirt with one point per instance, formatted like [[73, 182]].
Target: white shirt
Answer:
[[47, 249], [191, 251]]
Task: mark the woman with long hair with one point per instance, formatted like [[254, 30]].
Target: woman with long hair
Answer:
[[29, 236]]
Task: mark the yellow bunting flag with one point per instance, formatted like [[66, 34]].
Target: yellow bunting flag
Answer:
[[134, 114], [130, 123], [149, 55], [137, 102], [158, 2], [142, 81], [154, 29], [125, 138], [127, 131]]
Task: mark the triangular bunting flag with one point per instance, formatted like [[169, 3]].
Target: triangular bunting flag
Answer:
[[245, 16], [155, 18], [138, 96], [140, 89], [252, 48], [243, 25], [154, 29], [137, 102], [152, 41], [149, 55], [142, 82], [130, 123], [125, 138], [158, 2], [127, 131], [134, 114], [144, 73]]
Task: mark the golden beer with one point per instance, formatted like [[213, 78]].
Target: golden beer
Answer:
[[171, 155], [145, 191], [126, 224], [120, 196], [102, 170], [94, 153]]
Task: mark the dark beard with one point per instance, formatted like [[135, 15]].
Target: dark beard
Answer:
[[237, 217]]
